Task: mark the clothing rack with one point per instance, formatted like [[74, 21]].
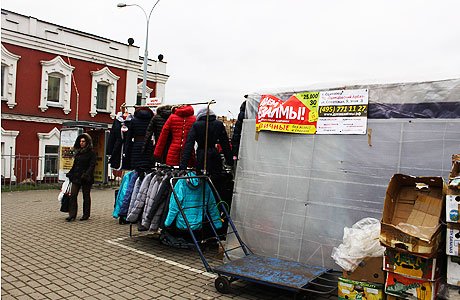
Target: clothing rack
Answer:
[[123, 105], [158, 167]]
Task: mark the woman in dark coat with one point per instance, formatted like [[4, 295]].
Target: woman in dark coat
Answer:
[[140, 160], [82, 176]]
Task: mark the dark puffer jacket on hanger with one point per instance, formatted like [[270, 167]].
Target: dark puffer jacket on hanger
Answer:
[[136, 135], [154, 128], [216, 135], [237, 130], [176, 128], [117, 140]]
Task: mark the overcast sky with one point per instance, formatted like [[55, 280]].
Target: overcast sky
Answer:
[[224, 49]]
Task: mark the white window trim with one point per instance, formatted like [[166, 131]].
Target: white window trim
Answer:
[[10, 60], [148, 90], [59, 66], [9, 138], [51, 138], [110, 79]]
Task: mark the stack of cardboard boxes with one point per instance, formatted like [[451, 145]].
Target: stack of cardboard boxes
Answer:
[[365, 282], [412, 234], [453, 228]]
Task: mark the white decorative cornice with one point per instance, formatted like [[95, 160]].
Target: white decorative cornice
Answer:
[[10, 133], [35, 43], [161, 78], [16, 117], [54, 132], [57, 61], [147, 89], [10, 55], [105, 71]]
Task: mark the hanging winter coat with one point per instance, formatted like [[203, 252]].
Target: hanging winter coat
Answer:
[[116, 142], [136, 135], [137, 186], [154, 129], [216, 135], [139, 200], [127, 198], [153, 190], [122, 192], [190, 195], [176, 127], [155, 212], [237, 130]]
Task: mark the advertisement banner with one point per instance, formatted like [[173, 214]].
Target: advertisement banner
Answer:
[[67, 140], [343, 112], [298, 114]]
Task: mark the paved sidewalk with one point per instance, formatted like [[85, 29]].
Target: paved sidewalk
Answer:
[[44, 257]]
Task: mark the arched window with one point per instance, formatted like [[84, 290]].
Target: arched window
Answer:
[[56, 84], [103, 92]]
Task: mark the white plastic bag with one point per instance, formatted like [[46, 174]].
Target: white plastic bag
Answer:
[[66, 185], [359, 241]]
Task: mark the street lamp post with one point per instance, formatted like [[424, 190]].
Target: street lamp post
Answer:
[[146, 52]]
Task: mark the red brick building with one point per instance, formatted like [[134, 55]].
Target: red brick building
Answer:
[[53, 74]]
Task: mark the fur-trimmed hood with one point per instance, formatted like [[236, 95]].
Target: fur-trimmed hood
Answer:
[[89, 143]]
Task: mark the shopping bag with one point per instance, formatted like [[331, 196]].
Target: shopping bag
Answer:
[[64, 189], [65, 200]]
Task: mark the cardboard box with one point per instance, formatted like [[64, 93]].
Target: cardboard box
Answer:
[[352, 289], [452, 206], [453, 239], [411, 214], [410, 288], [368, 270], [411, 265], [453, 270], [454, 182], [455, 170]]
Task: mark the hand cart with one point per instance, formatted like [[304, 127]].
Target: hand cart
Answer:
[[304, 280]]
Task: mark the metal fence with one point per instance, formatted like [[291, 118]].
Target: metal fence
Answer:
[[26, 172]]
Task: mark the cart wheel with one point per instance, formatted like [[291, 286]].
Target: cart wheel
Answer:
[[222, 285]]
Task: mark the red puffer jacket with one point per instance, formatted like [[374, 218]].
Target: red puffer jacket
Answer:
[[176, 129]]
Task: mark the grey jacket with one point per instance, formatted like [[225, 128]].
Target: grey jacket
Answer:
[[138, 205], [154, 185]]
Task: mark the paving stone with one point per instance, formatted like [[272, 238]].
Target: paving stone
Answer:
[[60, 260]]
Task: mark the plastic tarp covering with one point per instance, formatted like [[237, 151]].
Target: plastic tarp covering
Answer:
[[295, 193]]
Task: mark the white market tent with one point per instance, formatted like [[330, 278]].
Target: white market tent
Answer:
[[295, 193]]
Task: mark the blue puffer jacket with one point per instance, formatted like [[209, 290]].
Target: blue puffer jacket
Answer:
[[127, 199], [190, 195], [122, 192]]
